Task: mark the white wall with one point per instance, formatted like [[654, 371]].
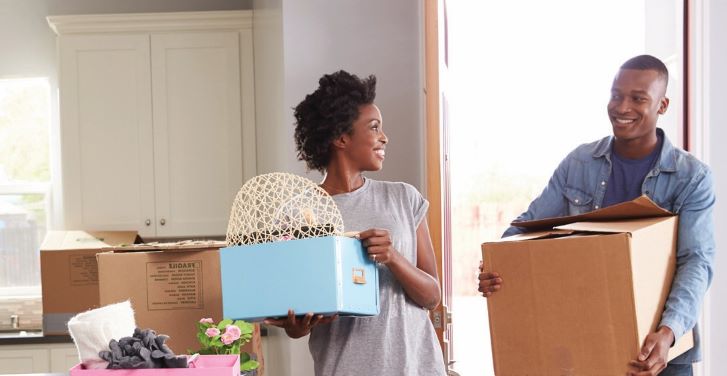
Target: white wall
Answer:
[[717, 118], [26, 40], [378, 37], [363, 37], [272, 127]]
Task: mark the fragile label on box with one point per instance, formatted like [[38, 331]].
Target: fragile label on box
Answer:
[[174, 285]]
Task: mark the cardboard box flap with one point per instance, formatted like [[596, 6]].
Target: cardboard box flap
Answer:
[[641, 207], [626, 226], [172, 246], [546, 234], [60, 240]]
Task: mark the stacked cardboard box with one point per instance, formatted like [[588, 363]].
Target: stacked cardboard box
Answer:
[[171, 287], [69, 273]]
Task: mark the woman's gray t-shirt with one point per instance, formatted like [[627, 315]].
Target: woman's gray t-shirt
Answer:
[[401, 339]]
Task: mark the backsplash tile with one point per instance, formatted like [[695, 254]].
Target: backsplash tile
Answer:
[[28, 309]]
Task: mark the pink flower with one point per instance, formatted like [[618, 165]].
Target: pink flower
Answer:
[[232, 334], [211, 332], [234, 331], [227, 338], [206, 321]]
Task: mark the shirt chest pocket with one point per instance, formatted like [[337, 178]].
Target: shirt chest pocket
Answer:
[[579, 202]]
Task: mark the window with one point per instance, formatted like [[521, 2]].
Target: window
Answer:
[[528, 82], [24, 187]]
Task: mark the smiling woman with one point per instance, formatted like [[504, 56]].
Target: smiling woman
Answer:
[[340, 131]]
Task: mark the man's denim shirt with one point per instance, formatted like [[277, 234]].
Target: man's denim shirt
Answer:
[[679, 183]]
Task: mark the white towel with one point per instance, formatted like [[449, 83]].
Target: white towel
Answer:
[[92, 330]]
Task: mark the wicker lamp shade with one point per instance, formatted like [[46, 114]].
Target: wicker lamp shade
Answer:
[[281, 206]]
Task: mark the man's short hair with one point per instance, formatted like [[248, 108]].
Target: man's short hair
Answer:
[[647, 62]]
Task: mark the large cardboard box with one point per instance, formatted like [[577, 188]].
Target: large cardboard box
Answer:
[[171, 286], [324, 275], [580, 294], [69, 274]]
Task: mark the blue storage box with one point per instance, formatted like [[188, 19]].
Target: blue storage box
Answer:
[[324, 275]]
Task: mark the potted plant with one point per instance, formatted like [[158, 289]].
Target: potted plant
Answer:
[[226, 337]]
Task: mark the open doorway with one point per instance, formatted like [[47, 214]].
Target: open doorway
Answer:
[[527, 82]]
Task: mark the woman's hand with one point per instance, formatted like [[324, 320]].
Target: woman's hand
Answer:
[[420, 281], [378, 245], [298, 327], [489, 282]]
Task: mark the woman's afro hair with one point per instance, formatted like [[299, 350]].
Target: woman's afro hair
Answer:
[[328, 113]]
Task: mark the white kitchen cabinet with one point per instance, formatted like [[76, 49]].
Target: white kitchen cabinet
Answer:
[[23, 360], [63, 357], [157, 120], [35, 358]]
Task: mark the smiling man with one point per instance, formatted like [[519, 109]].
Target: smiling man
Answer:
[[639, 159]]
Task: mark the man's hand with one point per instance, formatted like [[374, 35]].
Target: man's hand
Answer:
[[298, 327], [654, 352], [488, 282]]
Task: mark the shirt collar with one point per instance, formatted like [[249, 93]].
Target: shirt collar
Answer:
[[667, 157]]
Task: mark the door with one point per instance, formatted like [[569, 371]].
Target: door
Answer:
[[106, 132], [437, 162], [197, 131], [529, 81]]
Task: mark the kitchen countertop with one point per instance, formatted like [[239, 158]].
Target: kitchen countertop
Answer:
[[11, 338]]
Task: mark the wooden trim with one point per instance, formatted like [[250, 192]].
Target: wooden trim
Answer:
[[433, 141], [686, 63], [151, 22]]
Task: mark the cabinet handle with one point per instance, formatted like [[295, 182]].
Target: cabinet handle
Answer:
[[162, 221], [147, 222]]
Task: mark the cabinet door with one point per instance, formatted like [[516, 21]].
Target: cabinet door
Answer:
[[63, 357], [20, 359], [197, 130], [106, 132]]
